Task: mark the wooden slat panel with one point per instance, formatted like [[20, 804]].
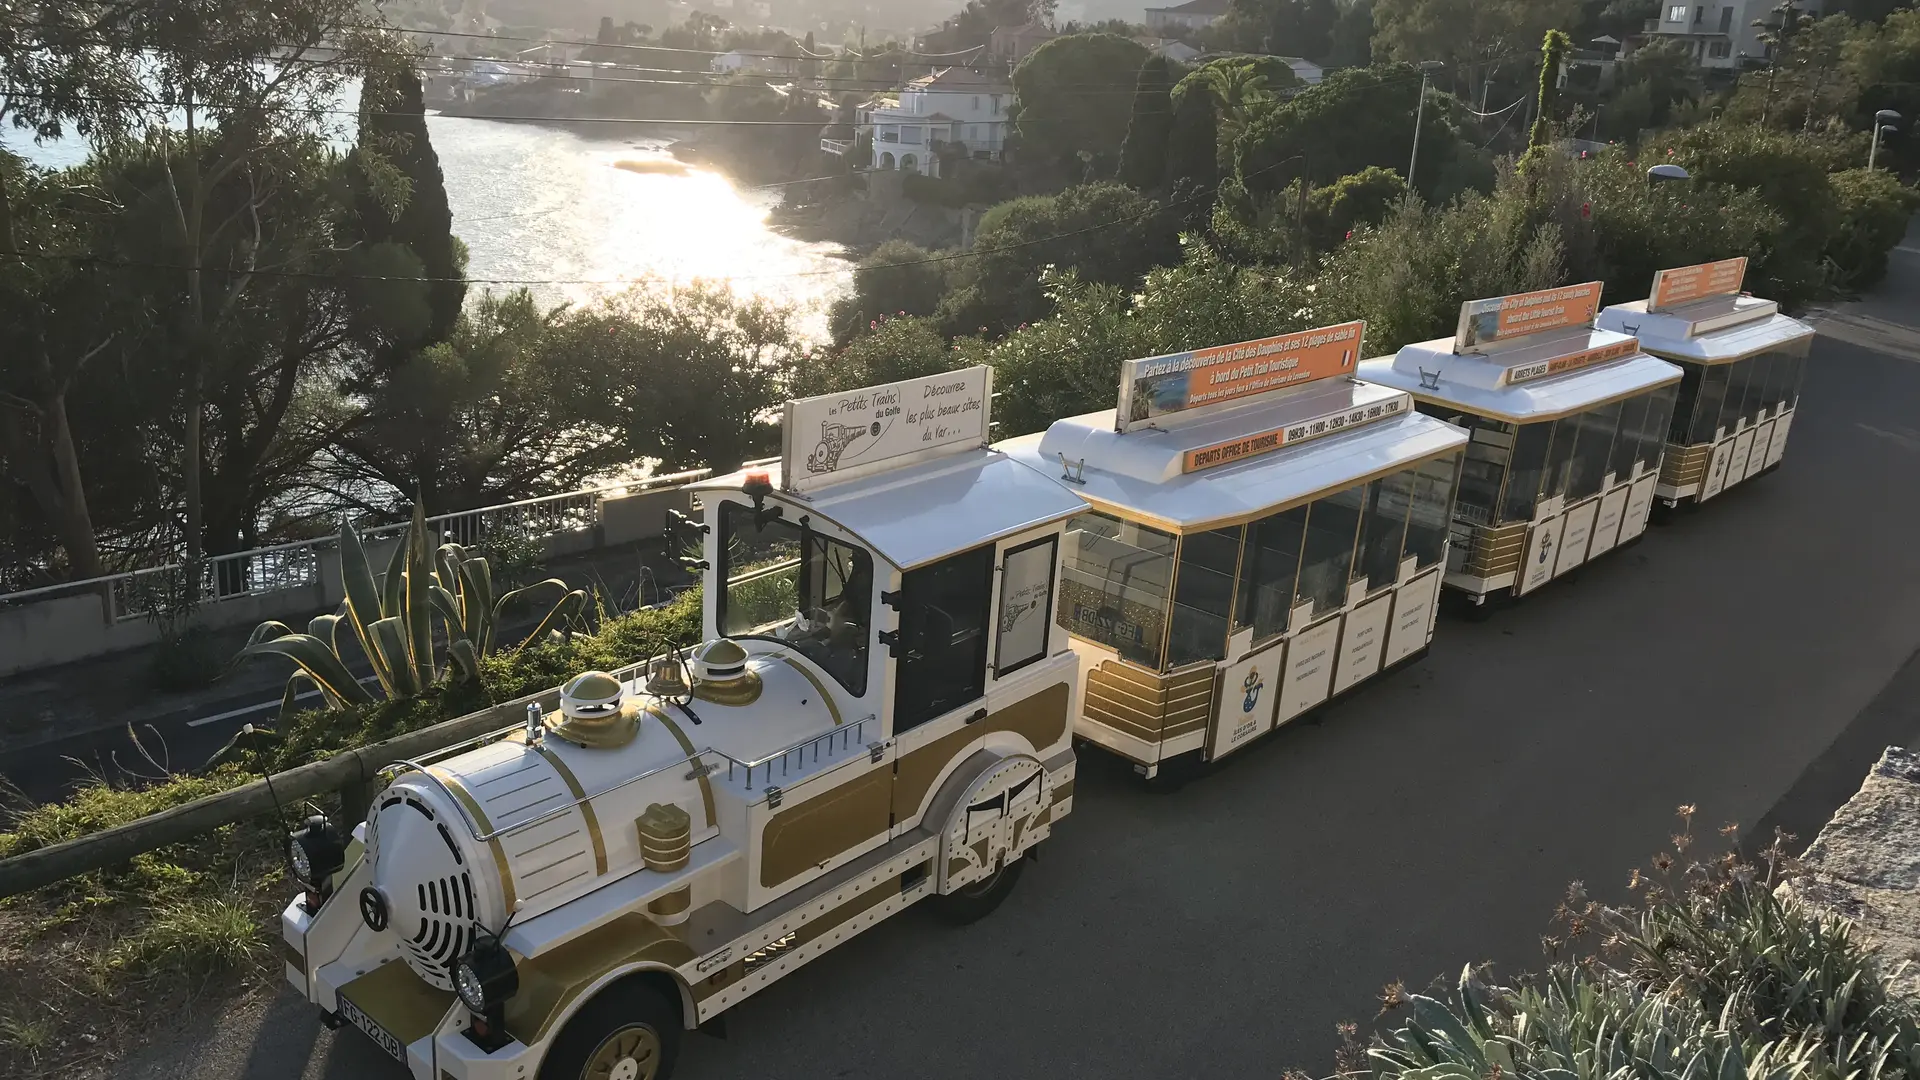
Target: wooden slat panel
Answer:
[[1145, 717], [1123, 693], [1685, 465], [1121, 723]]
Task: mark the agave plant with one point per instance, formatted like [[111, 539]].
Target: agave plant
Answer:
[[393, 619]]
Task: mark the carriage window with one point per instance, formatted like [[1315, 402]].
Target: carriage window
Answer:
[[1332, 526], [1114, 587], [1796, 366], [787, 582], [1734, 407], [1383, 530], [1597, 431], [1553, 479], [1428, 522], [1203, 596], [1706, 418], [1626, 446], [1652, 431], [1687, 404], [1762, 394], [1268, 572], [1523, 476], [1489, 450], [942, 650]]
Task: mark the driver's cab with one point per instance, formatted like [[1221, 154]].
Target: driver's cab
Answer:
[[892, 584]]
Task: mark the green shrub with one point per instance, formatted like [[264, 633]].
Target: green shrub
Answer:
[[1715, 974], [1874, 210], [188, 659]]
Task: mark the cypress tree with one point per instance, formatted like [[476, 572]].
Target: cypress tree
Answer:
[[1142, 164], [1193, 147], [1553, 52], [393, 128]]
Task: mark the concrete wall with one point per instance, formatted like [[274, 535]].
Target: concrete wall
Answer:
[[69, 628]]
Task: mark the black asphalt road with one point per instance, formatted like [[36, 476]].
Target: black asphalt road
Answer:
[[1732, 660]]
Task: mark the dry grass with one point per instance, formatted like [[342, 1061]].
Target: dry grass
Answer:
[[94, 964]]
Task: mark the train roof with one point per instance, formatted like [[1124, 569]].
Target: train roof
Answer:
[[1151, 472], [1518, 383], [1719, 330], [920, 512]]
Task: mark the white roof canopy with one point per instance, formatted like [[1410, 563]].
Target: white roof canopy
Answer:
[[919, 513], [1487, 384], [1716, 331], [1143, 470]]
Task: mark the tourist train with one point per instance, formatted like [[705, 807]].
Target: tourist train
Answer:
[[908, 628]]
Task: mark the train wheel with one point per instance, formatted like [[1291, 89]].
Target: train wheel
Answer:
[[974, 902], [628, 1032]]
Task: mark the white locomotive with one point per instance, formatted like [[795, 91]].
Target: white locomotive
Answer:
[[882, 713]]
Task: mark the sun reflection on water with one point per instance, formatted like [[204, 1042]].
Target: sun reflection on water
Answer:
[[598, 213]]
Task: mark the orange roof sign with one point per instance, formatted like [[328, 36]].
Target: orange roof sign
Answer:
[[1560, 365], [1265, 442], [1503, 318], [1180, 382], [1685, 284]]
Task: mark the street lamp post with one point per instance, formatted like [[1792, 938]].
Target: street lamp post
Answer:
[[1883, 122], [1427, 68]]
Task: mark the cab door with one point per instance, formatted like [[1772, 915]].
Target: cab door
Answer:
[[939, 660]]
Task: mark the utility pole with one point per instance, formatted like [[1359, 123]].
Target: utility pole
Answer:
[[1427, 68]]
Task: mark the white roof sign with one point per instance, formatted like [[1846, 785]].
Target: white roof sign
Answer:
[[836, 437]]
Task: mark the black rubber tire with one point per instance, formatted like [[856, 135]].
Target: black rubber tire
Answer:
[[618, 1007], [977, 901]]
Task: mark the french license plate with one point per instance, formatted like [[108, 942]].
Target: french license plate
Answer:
[[374, 1031]]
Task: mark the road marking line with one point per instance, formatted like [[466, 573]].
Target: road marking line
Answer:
[[245, 709]]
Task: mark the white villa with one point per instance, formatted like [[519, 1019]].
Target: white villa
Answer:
[[954, 107]]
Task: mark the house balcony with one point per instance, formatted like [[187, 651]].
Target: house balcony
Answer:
[[841, 147]]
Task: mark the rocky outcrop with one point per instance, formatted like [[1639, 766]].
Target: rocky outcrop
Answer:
[[1865, 865]]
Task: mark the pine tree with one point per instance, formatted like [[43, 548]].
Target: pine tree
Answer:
[[398, 168], [1142, 164]]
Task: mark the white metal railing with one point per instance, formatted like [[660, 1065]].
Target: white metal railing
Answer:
[[137, 594], [836, 146]]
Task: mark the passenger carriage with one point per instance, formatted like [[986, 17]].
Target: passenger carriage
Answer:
[[1567, 424], [1742, 362], [1265, 533]]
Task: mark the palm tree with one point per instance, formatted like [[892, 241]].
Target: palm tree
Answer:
[[1777, 36]]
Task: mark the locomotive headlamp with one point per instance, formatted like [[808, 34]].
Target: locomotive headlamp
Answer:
[[485, 978], [316, 852]]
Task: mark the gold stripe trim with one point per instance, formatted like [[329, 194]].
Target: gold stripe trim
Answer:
[[686, 744], [586, 808], [472, 805], [820, 687]]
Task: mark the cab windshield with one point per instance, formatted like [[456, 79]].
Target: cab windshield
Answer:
[[783, 581]]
